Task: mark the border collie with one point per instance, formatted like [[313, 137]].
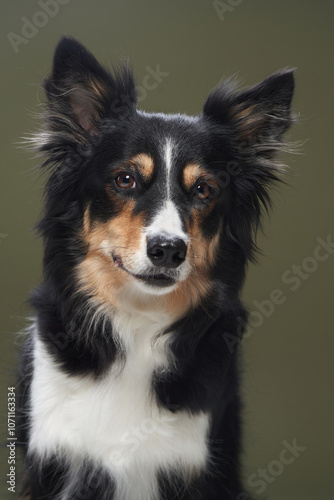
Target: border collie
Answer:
[[129, 388]]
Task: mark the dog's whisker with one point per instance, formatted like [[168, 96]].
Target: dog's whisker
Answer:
[[96, 249], [97, 258]]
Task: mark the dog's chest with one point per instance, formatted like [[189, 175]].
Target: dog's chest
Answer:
[[116, 421]]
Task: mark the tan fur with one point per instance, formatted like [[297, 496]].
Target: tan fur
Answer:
[[97, 272], [142, 163], [98, 88], [249, 122], [145, 165], [191, 173]]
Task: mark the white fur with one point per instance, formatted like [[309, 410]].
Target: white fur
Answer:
[[116, 420], [168, 155], [167, 222]]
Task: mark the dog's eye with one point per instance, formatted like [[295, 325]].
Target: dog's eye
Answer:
[[125, 181], [202, 191]]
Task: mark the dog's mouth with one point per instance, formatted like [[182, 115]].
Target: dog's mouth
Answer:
[[154, 279]]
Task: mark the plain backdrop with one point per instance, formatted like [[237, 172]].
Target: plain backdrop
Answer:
[[288, 365]]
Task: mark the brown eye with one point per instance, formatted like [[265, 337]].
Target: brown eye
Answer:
[[125, 181], [202, 191]]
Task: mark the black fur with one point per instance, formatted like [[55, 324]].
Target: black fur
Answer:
[[87, 132]]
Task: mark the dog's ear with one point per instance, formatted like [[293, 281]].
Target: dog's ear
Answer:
[[253, 121], [81, 93], [258, 116]]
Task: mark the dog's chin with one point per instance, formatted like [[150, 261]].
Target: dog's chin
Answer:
[[154, 287], [156, 283]]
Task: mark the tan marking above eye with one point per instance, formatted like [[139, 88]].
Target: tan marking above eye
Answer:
[[145, 165], [191, 173], [141, 163], [198, 285]]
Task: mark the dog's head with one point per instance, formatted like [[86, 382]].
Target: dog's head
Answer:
[[153, 203]]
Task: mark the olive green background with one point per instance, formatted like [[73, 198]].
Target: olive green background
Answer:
[[288, 355]]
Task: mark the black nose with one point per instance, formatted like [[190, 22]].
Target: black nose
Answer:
[[166, 252]]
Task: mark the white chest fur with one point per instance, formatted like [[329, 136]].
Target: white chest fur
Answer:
[[116, 421]]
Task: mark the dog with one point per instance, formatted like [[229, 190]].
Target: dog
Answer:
[[129, 376]]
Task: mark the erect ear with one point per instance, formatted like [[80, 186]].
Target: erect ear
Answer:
[[259, 115], [255, 120], [81, 93]]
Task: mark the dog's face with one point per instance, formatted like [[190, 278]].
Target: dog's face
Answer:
[[161, 197], [153, 222]]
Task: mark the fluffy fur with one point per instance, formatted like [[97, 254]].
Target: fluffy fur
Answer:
[[128, 386]]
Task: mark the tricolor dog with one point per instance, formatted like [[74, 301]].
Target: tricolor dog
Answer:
[[128, 386]]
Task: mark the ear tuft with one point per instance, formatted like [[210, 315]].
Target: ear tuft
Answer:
[[254, 120], [81, 93], [258, 114]]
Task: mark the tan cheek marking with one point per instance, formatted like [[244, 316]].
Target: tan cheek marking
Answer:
[[202, 254], [145, 165], [213, 248], [188, 294], [99, 277], [125, 231], [97, 273]]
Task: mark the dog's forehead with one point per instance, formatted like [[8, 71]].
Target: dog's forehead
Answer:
[[172, 140]]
